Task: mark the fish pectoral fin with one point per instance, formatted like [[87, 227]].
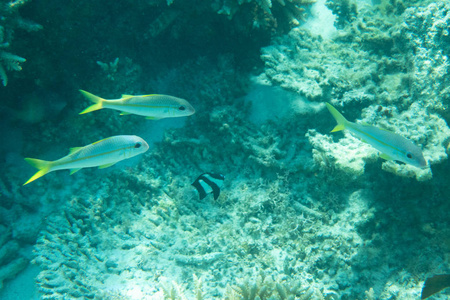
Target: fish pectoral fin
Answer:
[[106, 166], [74, 149], [72, 171], [385, 156], [124, 113], [152, 118]]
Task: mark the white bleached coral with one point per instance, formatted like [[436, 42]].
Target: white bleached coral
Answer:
[[348, 155], [316, 69]]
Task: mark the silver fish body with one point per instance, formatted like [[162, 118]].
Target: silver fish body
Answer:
[[102, 154], [151, 106], [391, 145]]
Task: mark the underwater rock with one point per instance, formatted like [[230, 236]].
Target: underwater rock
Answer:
[[11, 262], [11, 269]]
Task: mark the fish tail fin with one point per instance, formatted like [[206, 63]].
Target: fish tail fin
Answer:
[[98, 102], [42, 165], [340, 119]]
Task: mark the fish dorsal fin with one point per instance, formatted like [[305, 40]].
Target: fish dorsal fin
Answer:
[[72, 171], [127, 96], [124, 113], [74, 149], [384, 129], [385, 156], [106, 166], [94, 143]]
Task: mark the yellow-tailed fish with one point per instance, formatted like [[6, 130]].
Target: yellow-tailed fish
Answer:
[[151, 106], [391, 145], [102, 154]]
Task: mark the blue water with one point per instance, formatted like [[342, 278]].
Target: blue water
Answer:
[[302, 214]]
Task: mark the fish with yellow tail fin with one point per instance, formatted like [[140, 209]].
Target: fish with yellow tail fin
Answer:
[[391, 145], [102, 154], [151, 106]]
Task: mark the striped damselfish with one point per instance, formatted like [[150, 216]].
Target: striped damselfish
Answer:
[[151, 106], [208, 183], [102, 154], [391, 145]]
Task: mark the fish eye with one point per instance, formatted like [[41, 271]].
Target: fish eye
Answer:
[[409, 155], [137, 145], [181, 108]]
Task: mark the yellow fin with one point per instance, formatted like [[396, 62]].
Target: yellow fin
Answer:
[[106, 166], [385, 156], [340, 119], [73, 171], [124, 113], [127, 96], [100, 141], [42, 165], [74, 149], [338, 127], [96, 99], [152, 118]]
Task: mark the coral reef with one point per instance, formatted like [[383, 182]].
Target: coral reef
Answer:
[[398, 74], [345, 10], [281, 228], [424, 37], [319, 69], [266, 14], [349, 155], [9, 23], [300, 216]]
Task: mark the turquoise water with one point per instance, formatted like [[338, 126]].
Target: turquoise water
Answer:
[[302, 214]]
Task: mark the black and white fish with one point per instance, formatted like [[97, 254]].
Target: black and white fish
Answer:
[[209, 183]]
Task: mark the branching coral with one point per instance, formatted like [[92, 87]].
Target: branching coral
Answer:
[[9, 22], [266, 288]]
